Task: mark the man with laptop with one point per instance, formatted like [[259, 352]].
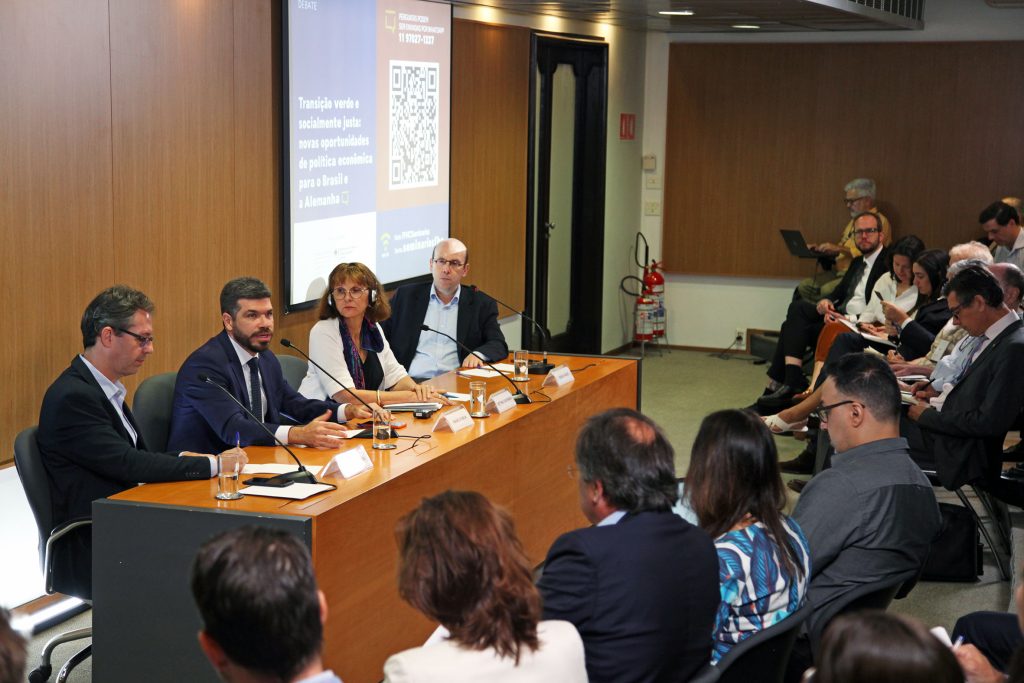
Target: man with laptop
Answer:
[[804, 320], [860, 198]]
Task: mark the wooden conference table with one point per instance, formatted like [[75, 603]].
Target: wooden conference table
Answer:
[[144, 539]]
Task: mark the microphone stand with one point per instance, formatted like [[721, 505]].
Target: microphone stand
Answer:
[[288, 345], [519, 396], [302, 475], [538, 367]]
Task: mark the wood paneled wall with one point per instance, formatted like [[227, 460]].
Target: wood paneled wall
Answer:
[[139, 143], [490, 139], [762, 137]]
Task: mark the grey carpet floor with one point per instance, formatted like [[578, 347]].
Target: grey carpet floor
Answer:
[[679, 388]]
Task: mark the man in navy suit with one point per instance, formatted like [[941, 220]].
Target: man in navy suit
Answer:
[[240, 361], [88, 439], [641, 585], [444, 304]]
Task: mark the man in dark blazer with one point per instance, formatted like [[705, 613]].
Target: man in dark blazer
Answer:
[[443, 304], [88, 439], [964, 439], [804, 320], [204, 417], [641, 585]]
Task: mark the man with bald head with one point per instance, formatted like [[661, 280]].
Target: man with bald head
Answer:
[[444, 305]]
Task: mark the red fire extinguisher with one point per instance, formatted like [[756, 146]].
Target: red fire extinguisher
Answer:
[[654, 289], [644, 322]]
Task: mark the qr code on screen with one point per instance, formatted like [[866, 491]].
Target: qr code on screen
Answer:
[[413, 125]]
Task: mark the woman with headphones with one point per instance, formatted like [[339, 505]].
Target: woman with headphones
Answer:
[[349, 343]]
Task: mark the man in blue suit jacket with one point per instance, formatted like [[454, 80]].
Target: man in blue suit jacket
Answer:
[[204, 418], [641, 585]]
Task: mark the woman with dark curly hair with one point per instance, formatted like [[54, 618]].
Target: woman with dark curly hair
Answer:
[[462, 565]]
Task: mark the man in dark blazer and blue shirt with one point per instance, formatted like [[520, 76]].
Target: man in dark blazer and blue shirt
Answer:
[[641, 585], [89, 441], [444, 304], [240, 360], [963, 439], [804, 320]]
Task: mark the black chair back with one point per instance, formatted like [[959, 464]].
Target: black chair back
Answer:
[[294, 369], [867, 596], [154, 400], [36, 483], [761, 657]]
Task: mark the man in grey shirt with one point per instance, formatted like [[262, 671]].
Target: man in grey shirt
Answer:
[[873, 514]]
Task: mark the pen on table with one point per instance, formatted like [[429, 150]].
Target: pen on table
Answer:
[[238, 441], [958, 643]]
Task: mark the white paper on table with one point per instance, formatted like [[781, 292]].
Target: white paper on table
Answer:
[[500, 401], [505, 367], [453, 419], [295, 491], [479, 372], [276, 468], [559, 376], [350, 463], [455, 396], [345, 434]]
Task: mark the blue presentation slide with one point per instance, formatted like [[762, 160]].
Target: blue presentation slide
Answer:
[[368, 91]]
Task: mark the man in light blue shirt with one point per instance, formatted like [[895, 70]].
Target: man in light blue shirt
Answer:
[[464, 313]]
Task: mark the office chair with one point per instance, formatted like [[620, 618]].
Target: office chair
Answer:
[[36, 482], [761, 657], [154, 400], [294, 369]]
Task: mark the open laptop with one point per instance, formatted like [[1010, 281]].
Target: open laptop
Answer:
[[797, 245]]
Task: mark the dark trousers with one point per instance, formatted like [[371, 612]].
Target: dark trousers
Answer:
[[996, 634], [799, 332]]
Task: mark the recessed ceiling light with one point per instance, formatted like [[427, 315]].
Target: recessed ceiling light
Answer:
[[677, 13], [747, 26]]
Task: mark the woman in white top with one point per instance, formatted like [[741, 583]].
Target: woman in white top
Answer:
[[349, 343], [462, 565], [895, 287]]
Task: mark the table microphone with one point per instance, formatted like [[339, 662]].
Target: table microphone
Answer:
[[519, 396], [302, 475], [288, 345], [537, 367]]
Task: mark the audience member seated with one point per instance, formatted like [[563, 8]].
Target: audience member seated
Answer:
[[860, 197], [641, 585], [951, 334], [961, 435], [240, 361], [12, 652], [88, 439], [734, 487], [349, 343], [878, 647], [805, 320], [462, 565], [262, 613], [1001, 223], [915, 337], [992, 642], [872, 515], [446, 306]]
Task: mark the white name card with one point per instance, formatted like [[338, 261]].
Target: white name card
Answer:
[[500, 401], [560, 375], [454, 420], [348, 464]]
